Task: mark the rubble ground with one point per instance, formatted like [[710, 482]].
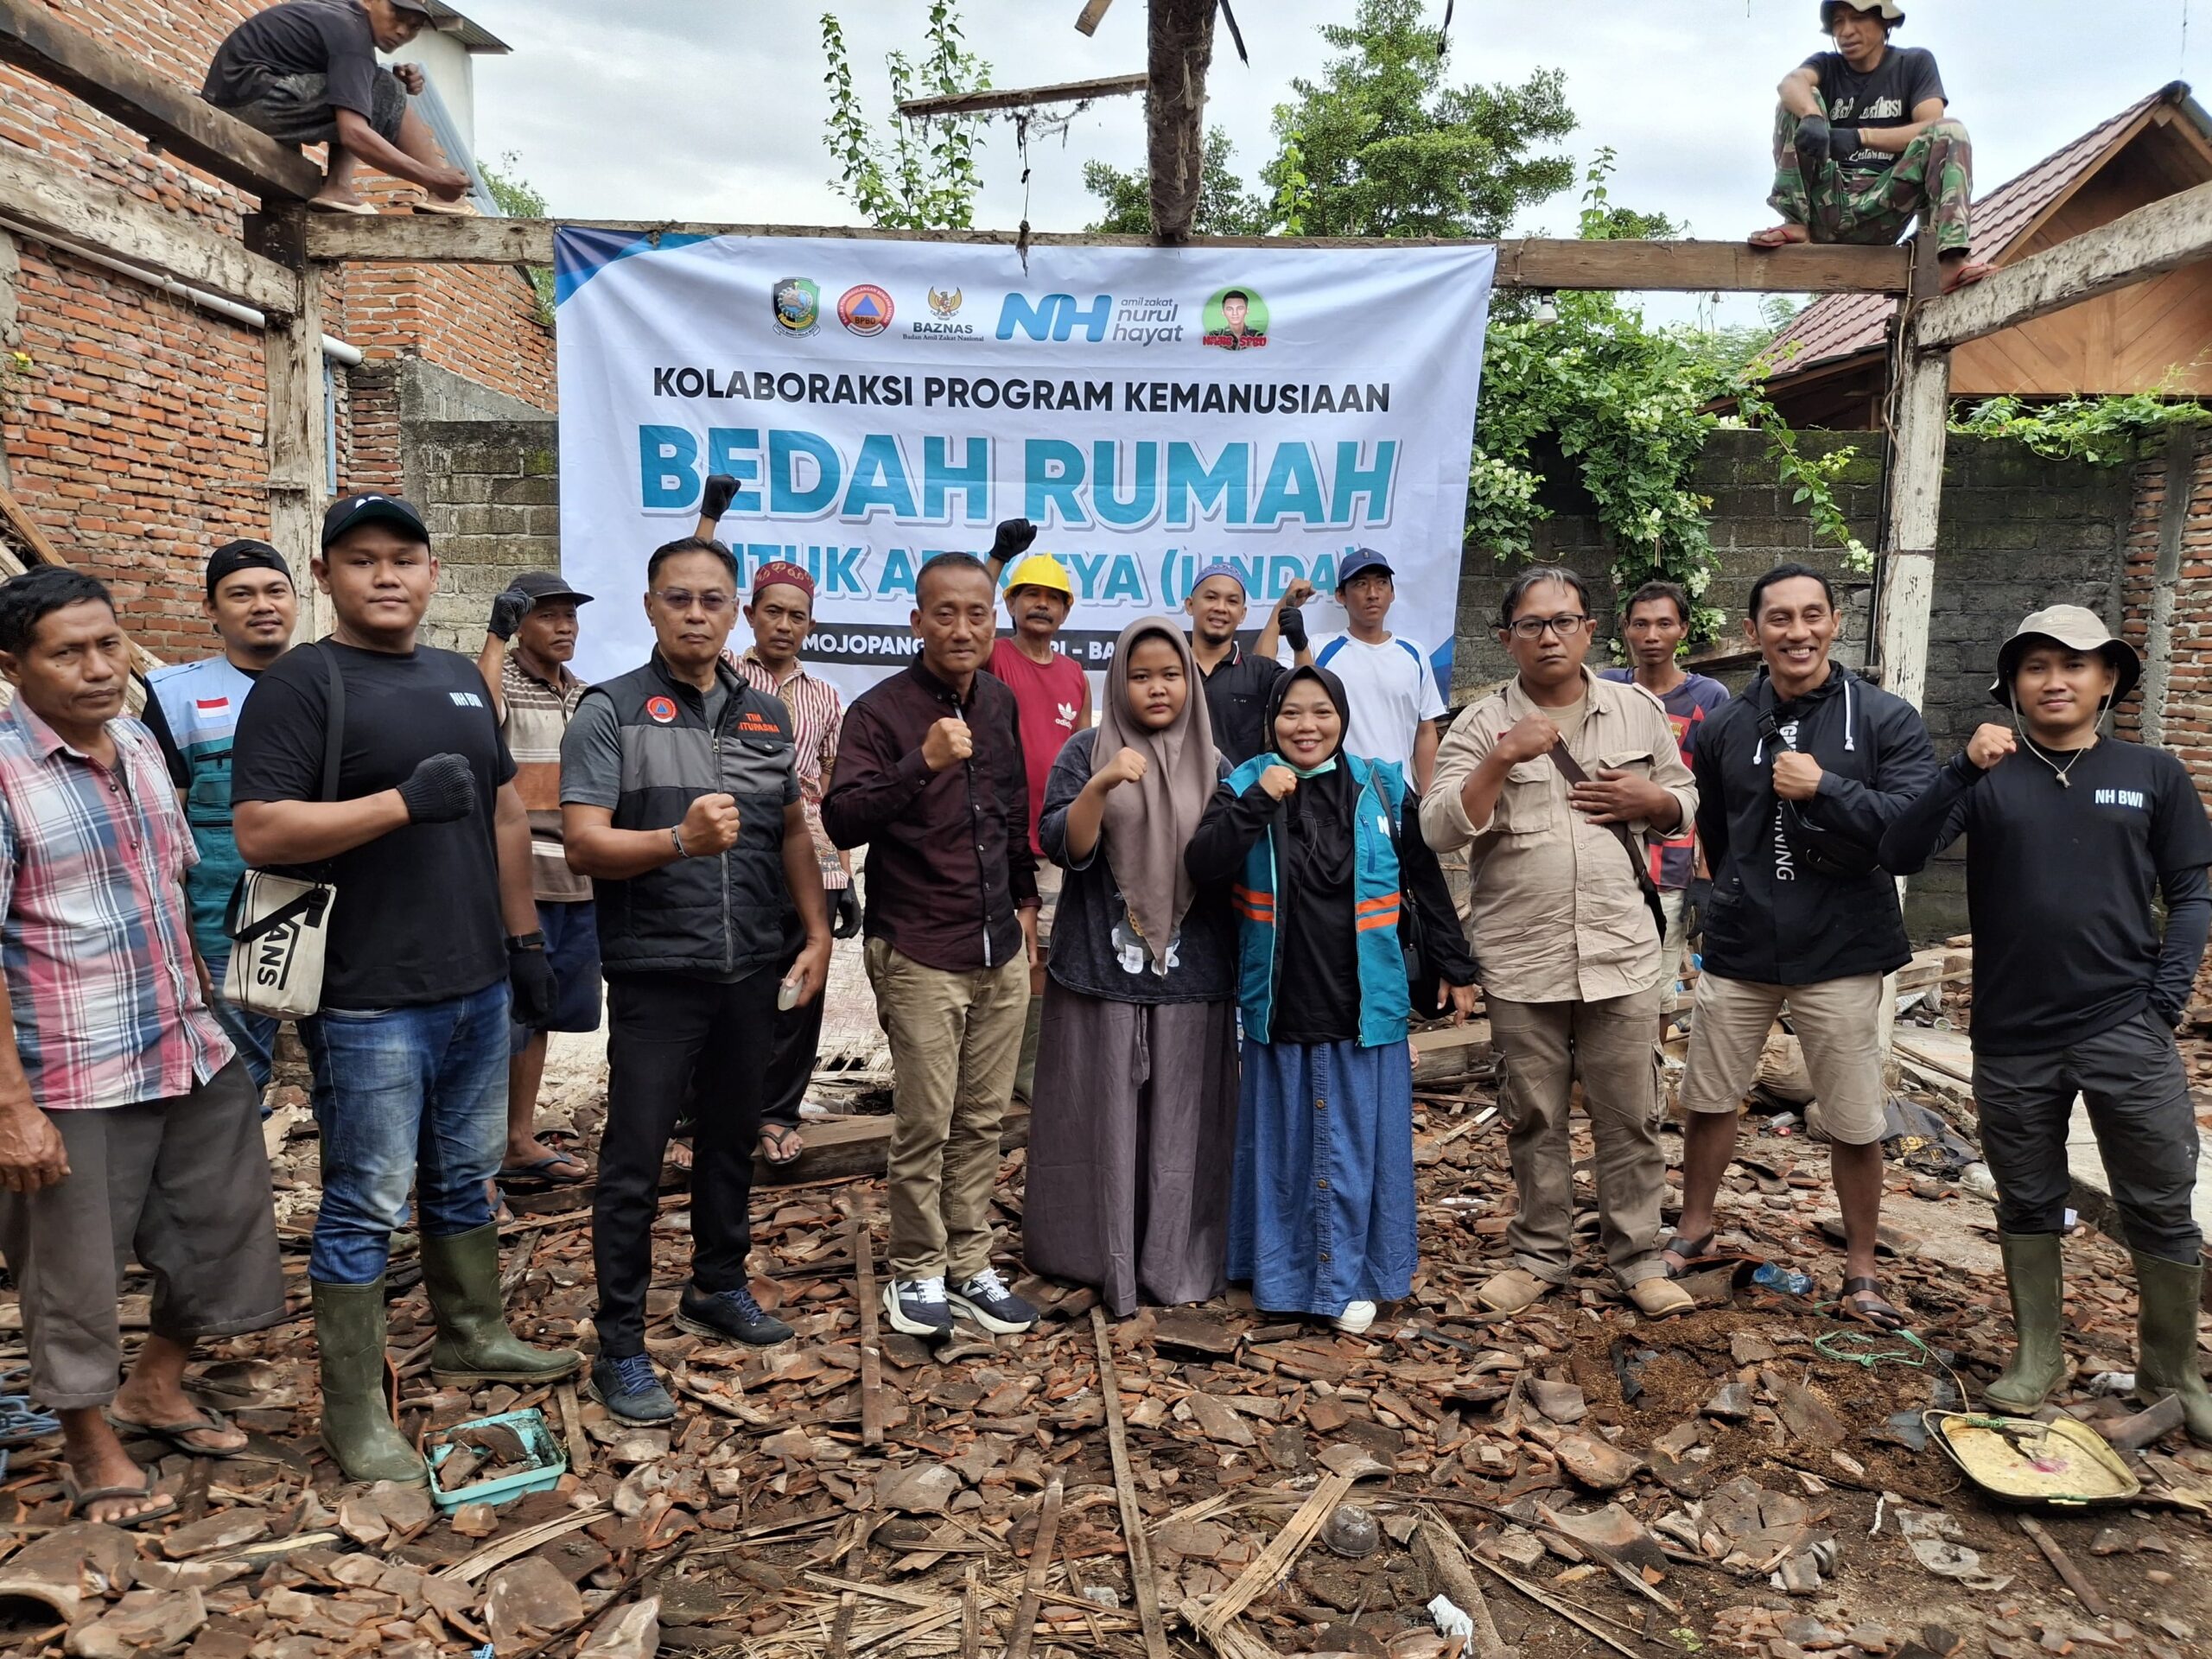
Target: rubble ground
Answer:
[[1713, 1483]]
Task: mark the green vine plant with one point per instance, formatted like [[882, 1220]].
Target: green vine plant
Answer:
[[2106, 431], [923, 177], [14, 375]]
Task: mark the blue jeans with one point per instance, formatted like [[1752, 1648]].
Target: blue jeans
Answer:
[[254, 1035], [414, 1096]]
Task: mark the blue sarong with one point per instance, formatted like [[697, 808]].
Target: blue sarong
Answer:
[[1321, 1203]]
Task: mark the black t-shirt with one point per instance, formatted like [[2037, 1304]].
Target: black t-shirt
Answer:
[[1237, 703], [418, 917], [1885, 96], [299, 37], [2060, 883]]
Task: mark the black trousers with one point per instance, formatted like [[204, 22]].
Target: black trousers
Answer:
[[791, 1053], [673, 1038], [2138, 1095]]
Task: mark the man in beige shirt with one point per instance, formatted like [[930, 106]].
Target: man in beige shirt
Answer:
[[1569, 952]]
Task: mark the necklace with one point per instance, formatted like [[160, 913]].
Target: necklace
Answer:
[[2057, 771]]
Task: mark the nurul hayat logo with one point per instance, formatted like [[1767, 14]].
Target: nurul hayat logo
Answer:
[[798, 304]]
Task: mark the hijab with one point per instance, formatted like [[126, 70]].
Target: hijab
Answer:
[[1148, 824], [1318, 812]]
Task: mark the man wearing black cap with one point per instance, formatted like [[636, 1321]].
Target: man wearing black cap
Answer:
[[1395, 703], [427, 843], [192, 710], [528, 643], [2077, 991]]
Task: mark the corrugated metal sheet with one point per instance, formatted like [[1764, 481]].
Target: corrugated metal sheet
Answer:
[[1843, 325], [468, 31]]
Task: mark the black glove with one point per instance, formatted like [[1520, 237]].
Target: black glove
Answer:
[[721, 490], [847, 903], [507, 612], [1814, 140], [440, 789], [1292, 621], [1700, 901], [1844, 142], [1012, 539], [530, 975]]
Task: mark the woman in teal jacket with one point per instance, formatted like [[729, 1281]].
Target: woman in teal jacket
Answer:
[[1322, 1201]]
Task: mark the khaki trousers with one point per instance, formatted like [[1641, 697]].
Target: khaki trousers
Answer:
[[1608, 1044], [955, 1038], [1839, 1025]]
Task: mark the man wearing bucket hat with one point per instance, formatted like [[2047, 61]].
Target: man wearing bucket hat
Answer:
[[1053, 695], [2077, 992], [1862, 144]]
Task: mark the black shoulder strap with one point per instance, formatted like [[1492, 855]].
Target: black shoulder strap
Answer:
[[1572, 770]]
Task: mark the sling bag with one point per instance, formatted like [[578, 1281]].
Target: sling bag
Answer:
[[279, 925], [1572, 770]]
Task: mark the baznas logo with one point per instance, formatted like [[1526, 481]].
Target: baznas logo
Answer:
[[1236, 320], [864, 311], [945, 305], [798, 306]]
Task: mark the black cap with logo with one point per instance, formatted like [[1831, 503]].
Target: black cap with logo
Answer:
[[354, 510]]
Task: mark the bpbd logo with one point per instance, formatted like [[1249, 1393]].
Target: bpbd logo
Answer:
[[1055, 316]]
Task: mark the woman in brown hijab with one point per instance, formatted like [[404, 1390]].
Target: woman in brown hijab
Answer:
[[1135, 1115]]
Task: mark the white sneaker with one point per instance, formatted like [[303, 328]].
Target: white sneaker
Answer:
[[1356, 1318], [917, 1308]]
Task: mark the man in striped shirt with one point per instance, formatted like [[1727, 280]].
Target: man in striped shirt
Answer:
[[781, 616], [127, 1124]]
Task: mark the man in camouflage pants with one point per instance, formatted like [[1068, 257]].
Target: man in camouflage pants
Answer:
[[1862, 144]]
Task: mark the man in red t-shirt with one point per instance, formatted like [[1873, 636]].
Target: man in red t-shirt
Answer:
[[1053, 695]]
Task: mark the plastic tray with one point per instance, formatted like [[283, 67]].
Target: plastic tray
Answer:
[[551, 1463], [2020, 1460]]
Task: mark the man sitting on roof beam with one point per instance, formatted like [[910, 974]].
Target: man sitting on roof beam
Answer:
[[1862, 145], [305, 71]]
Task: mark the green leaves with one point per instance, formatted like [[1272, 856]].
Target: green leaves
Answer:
[[923, 176], [2106, 431]]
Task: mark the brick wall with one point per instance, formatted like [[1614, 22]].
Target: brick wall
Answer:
[[2018, 532], [134, 440], [2170, 544]]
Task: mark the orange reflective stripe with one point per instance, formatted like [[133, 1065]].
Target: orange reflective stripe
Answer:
[[1381, 919], [1251, 902], [1387, 901]]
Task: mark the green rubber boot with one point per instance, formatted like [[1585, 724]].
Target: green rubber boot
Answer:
[[2036, 1280], [2165, 1340], [357, 1426], [474, 1345]]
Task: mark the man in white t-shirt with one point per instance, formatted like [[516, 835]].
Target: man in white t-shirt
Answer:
[[1394, 701]]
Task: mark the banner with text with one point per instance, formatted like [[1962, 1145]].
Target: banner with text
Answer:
[[1151, 409]]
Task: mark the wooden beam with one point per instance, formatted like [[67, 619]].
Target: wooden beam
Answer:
[[1087, 21], [1541, 263], [298, 453], [1017, 98], [1180, 51], [1916, 500], [32, 37], [49, 200], [2160, 238]]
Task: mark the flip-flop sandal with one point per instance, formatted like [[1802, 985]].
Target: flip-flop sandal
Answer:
[[1883, 1314], [1693, 1252], [443, 209], [355, 209], [81, 1500], [783, 1144], [178, 1435], [540, 1171]]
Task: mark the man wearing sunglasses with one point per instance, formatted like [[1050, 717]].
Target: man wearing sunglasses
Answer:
[[1552, 784], [680, 799]]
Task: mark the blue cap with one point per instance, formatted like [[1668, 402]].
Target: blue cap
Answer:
[[1360, 561], [1218, 567]]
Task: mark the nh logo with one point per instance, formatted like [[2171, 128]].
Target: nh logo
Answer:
[[1055, 316]]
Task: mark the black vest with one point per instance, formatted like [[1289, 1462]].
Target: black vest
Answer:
[[720, 918]]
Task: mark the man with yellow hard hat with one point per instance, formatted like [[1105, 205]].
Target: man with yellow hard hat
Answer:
[[1053, 695]]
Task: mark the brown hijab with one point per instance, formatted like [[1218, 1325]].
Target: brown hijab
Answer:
[[1148, 824]]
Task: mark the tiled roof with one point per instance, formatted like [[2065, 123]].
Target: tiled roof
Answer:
[[1843, 325]]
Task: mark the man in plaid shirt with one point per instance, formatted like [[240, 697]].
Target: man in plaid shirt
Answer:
[[127, 1124], [781, 615]]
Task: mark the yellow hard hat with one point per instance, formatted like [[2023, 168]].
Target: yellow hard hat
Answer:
[[1041, 570]]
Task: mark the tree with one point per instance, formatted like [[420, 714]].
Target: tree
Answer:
[[923, 176], [519, 199], [1382, 146], [1226, 207]]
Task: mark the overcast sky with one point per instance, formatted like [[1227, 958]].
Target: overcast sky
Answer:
[[712, 110]]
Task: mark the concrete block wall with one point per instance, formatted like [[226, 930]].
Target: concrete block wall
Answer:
[[491, 495]]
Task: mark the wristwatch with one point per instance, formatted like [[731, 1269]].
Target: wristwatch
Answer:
[[525, 941]]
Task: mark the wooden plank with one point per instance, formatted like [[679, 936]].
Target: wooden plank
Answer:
[[2160, 238], [1022, 97], [1283, 1550], [1535, 262], [1040, 1563], [1141, 1582], [291, 350], [2062, 1563], [1439, 1549], [1179, 52], [858, 1146], [861, 1243], [34, 37], [1916, 500], [51, 201]]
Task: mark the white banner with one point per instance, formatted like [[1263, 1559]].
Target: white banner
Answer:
[[1151, 409]]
